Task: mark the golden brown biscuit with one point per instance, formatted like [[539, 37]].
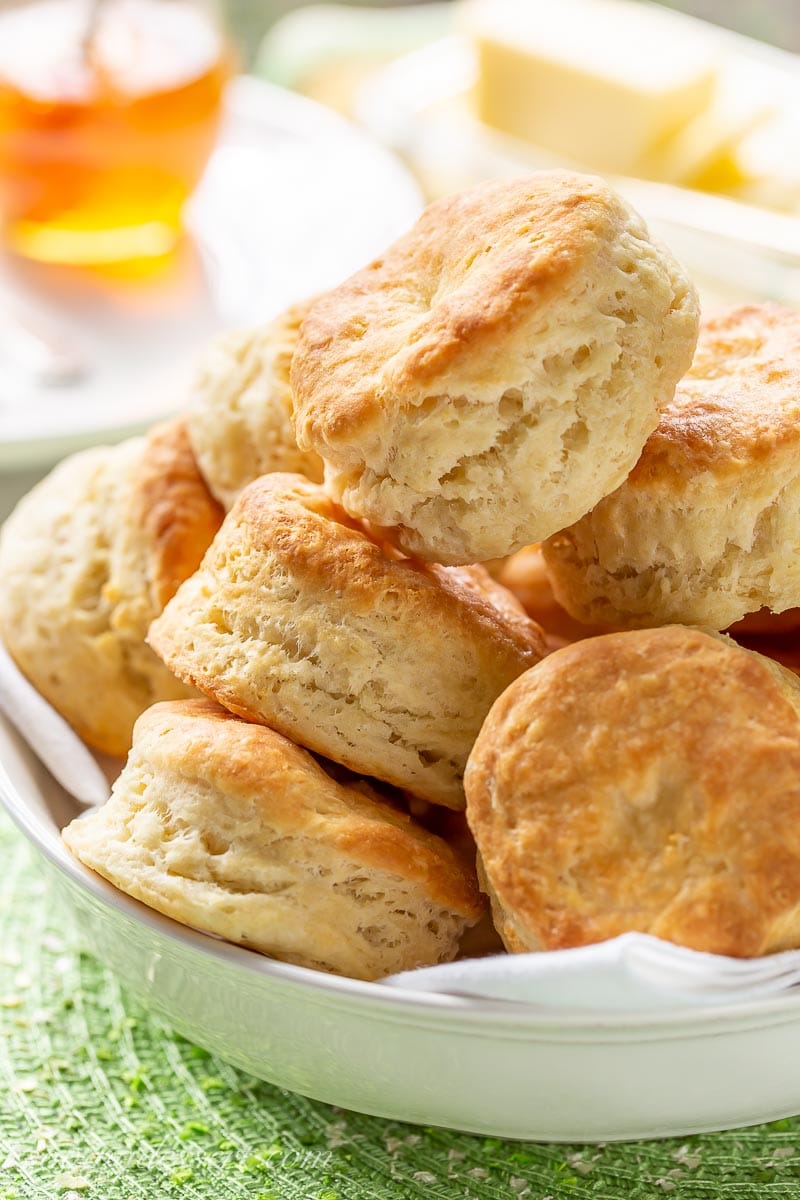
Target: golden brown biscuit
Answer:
[[233, 829], [87, 559], [643, 781], [240, 408], [706, 527], [497, 372], [300, 619]]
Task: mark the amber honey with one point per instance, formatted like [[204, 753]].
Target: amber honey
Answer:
[[106, 124]]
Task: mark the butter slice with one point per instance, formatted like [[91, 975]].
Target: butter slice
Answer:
[[601, 83], [705, 148]]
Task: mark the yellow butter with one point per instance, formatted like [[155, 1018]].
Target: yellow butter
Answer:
[[601, 83]]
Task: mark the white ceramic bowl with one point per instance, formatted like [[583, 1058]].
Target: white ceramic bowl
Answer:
[[476, 1065]]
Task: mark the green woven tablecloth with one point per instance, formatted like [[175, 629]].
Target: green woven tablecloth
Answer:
[[99, 1101]]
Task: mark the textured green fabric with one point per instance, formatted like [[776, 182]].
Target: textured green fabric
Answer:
[[99, 1101]]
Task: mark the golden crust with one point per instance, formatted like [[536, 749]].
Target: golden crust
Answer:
[[88, 559], [240, 408], [643, 781], [526, 329], [328, 550], [737, 407], [699, 531], [300, 619], [198, 738], [231, 827], [469, 271], [173, 509]]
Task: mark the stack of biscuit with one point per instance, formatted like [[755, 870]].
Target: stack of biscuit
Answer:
[[365, 588]]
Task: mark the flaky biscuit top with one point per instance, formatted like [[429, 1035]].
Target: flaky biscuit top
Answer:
[[198, 739], [643, 781], [737, 406], [171, 516], [497, 372], [240, 407], [471, 269], [89, 557], [701, 532], [340, 554], [302, 618]]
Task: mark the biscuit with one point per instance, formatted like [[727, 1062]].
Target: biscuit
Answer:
[[646, 781], [498, 371], [705, 528], [231, 828], [87, 559], [300, 619], [240, 408]]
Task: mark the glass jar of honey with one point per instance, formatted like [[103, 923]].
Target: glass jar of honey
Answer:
[[109, 110]]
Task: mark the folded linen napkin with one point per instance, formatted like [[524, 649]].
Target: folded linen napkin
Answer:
[[631, 972], [50, 737]]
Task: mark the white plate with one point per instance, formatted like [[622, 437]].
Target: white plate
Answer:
[[293, 201], [475, 1065]]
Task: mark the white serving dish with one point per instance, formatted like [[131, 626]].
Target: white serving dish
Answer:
[[294, 199], [481, 1066]]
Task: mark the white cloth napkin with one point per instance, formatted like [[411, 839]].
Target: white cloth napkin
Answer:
[[51, 738], [630, 972]]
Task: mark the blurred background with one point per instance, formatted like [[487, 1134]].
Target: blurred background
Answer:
[[776, 21], [169, 168], [695, 100]]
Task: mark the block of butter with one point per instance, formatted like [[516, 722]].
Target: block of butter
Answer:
[[600, 83]]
